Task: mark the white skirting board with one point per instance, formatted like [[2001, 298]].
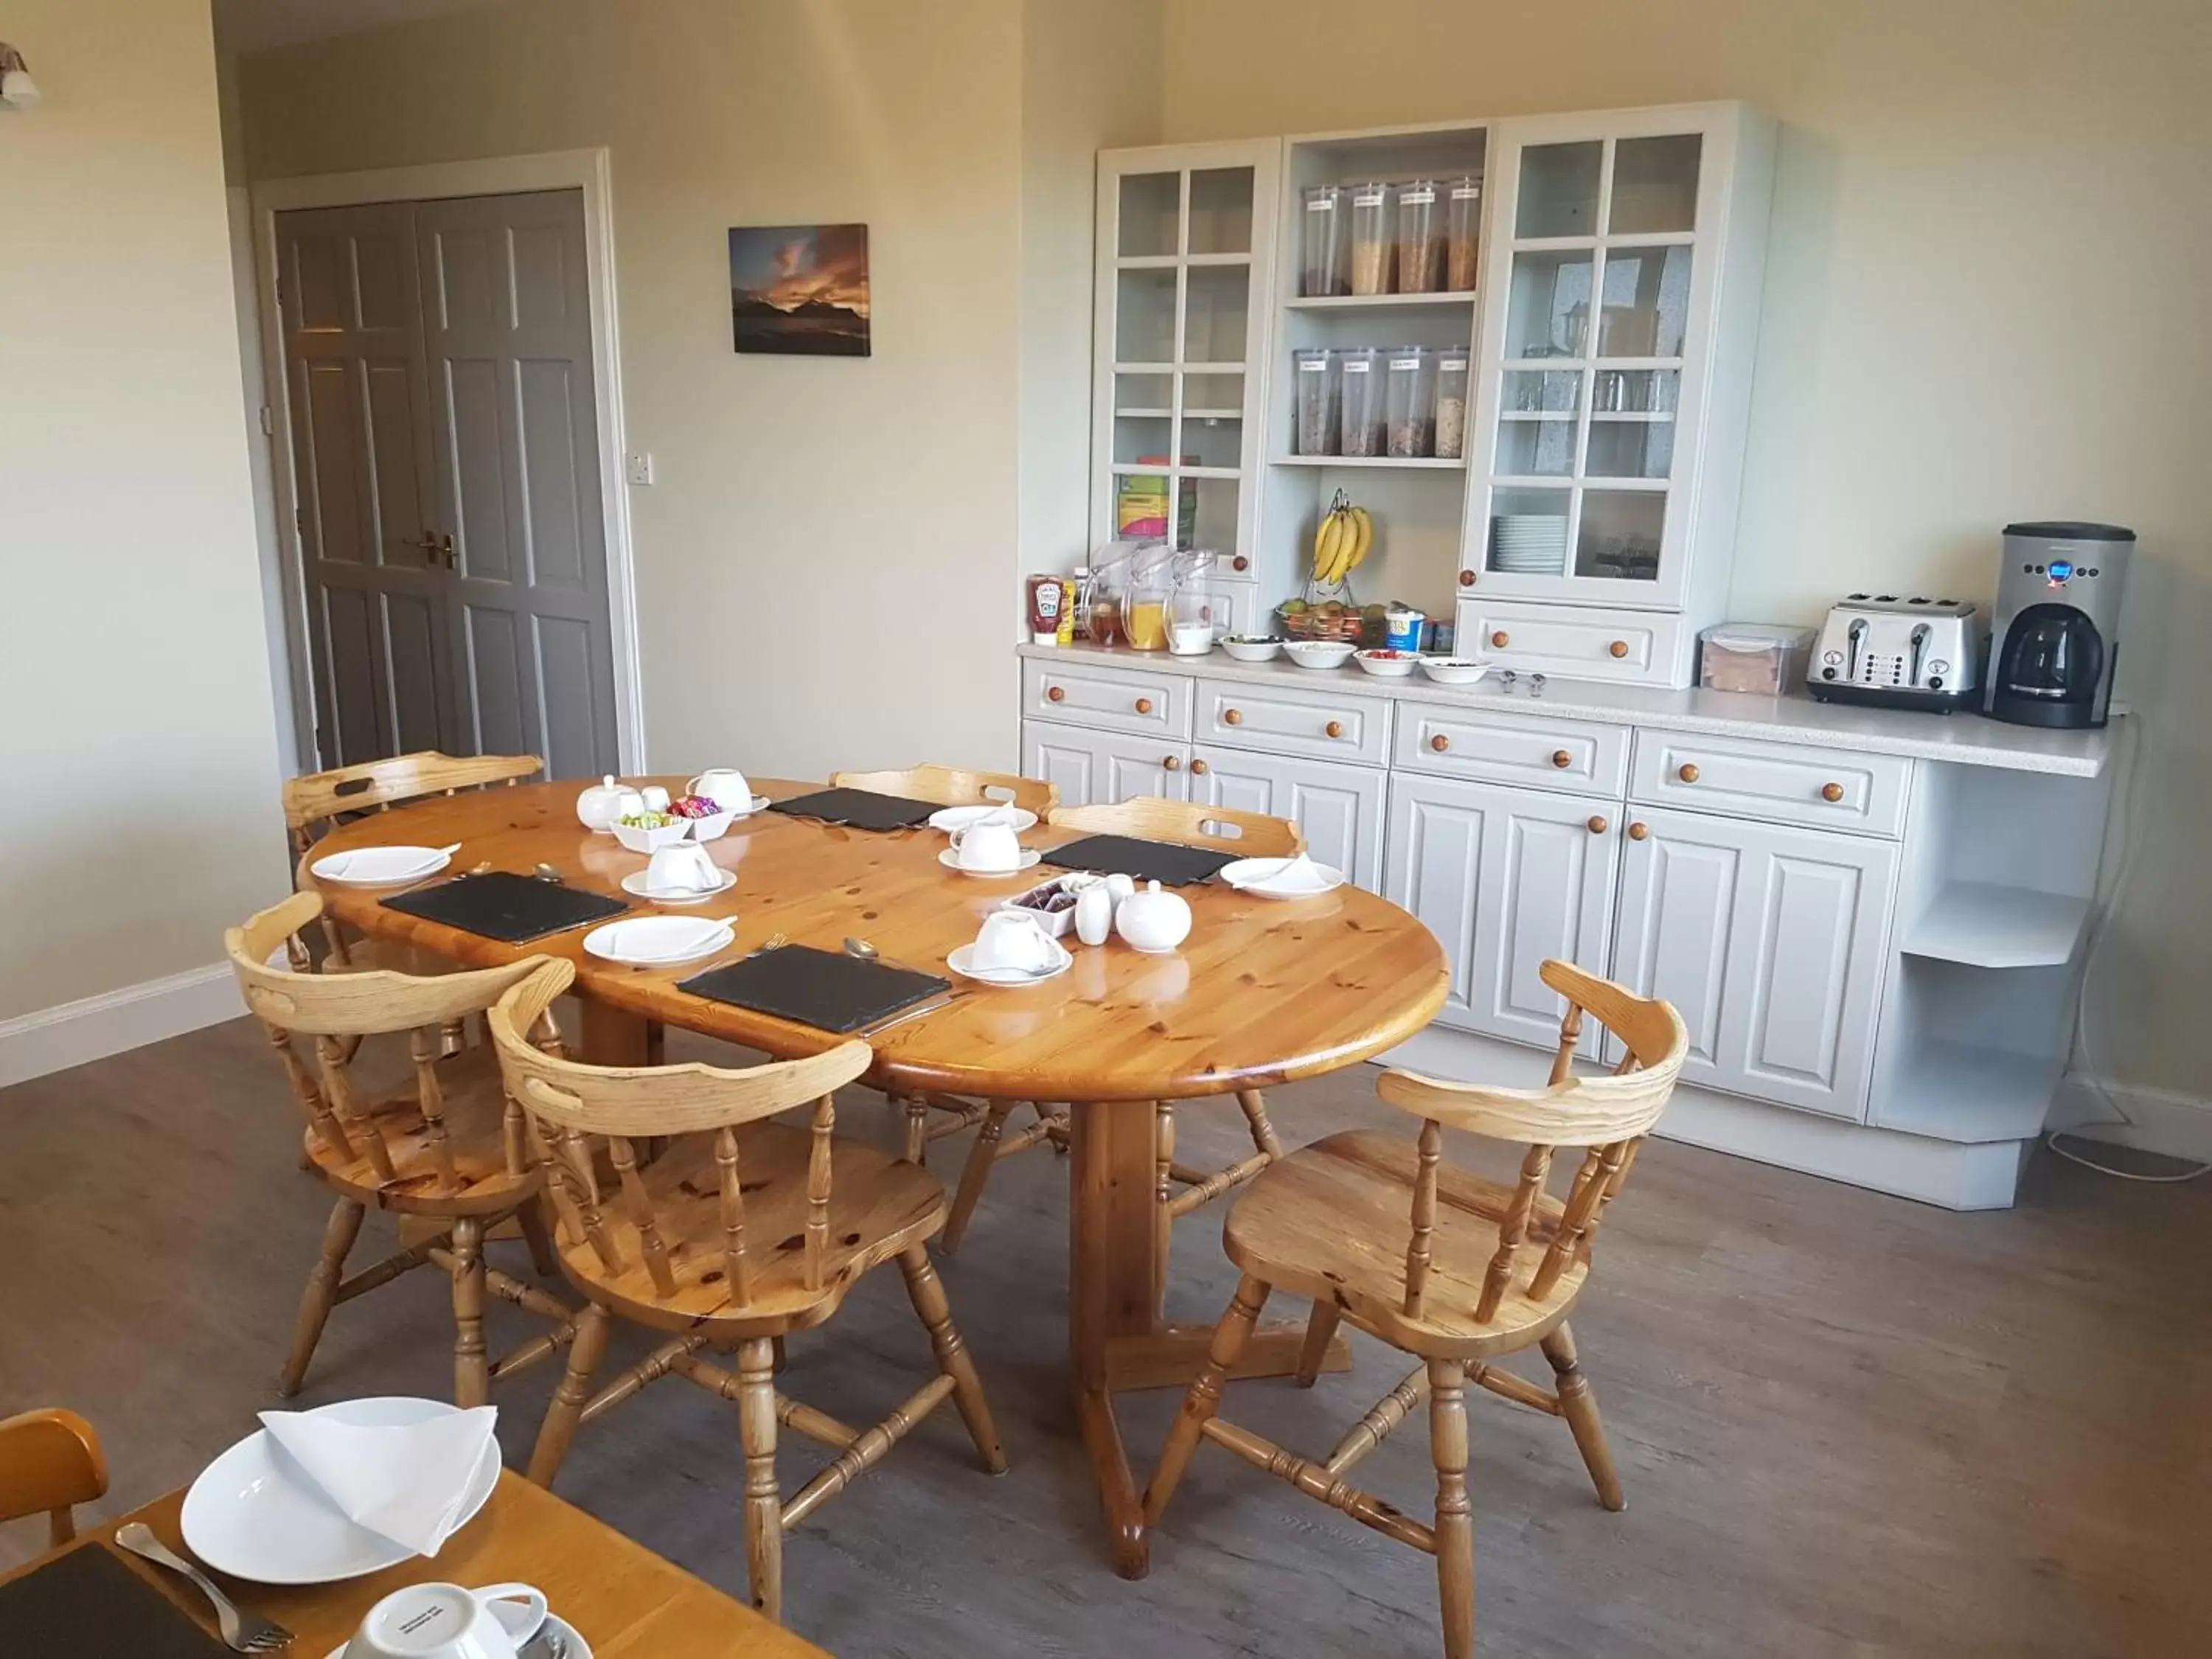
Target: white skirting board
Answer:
[[2158, 1120], [92, 1028]]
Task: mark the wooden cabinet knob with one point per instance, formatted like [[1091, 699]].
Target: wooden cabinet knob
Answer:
[[1336, 729], [1144, 705], [1638, 831], [1619, 648], [1467, 579], [1172, 763], [1500, 640], [1562, 759], [1231, 717], [1440, 743], [1831, 792], [1687, 773], [1240, 562], [1198, 766], [1055, 693], [1598, 826]]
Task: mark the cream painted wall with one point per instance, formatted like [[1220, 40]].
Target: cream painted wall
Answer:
[[132, 672], [824, 562], [1985, 301]]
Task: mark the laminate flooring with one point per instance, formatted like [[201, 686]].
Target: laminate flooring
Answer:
[[1848, 1425]]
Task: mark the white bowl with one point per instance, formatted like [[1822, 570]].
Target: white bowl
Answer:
[[1454, 670], [712, 827], [652, 840], [1387, 664], [1253, 647], [1320, 653]]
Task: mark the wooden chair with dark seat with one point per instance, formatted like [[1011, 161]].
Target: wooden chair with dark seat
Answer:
[[50, 1462], [1188, 823], [1444, 1264], [446, 1151], [741, 1231], [951, 785]]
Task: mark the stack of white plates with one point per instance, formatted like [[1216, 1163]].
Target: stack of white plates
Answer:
[[1528, 544]]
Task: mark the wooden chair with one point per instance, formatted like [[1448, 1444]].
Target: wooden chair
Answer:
[[1464, 1291], [316, 803], [949, 785], [1189, 823], [49, 1461], [742, 1231], [448, 1154]]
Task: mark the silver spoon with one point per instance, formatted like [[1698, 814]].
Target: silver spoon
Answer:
[[546, 871], [862, 949]]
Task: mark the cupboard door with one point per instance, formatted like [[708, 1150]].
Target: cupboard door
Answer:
[[1770, 941], [1433, 867], [1092, 767], [1339, 809]]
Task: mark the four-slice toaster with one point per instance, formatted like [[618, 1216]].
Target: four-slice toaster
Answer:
[[1886, 652]]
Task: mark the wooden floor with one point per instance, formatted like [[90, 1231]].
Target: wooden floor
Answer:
[[1848, 1425]]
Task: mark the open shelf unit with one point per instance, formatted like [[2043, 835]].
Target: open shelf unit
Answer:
[[1985, 924]]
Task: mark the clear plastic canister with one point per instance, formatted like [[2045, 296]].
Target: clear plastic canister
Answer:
[[1420, 237], [1325, 241], [1463, 235], [1410, 398], [1361, 430], [1451, 403], [1373, 239], [1314, 370]]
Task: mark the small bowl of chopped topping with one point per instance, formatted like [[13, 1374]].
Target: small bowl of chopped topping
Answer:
[[649, 832], [1053, 902]]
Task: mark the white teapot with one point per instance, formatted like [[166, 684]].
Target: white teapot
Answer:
[[1153, 919], [599, 806]]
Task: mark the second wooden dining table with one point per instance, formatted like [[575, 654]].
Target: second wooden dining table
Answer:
[[1261, 993]]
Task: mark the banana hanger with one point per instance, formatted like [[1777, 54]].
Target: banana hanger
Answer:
[[1318, 591]]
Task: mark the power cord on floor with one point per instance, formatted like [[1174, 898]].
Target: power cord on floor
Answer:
[[2137, 731]]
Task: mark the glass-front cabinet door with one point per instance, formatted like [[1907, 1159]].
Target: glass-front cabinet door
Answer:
[[1185, 246], [1596, 322]]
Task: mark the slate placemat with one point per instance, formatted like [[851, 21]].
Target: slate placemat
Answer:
[[826, 989], [87, 1602], [504, 906], [1141, 861], [860, 809]]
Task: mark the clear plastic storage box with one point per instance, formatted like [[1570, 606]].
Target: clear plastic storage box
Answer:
[[1756, 657]]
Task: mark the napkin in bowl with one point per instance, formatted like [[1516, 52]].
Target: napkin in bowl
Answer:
[[403, 1482]]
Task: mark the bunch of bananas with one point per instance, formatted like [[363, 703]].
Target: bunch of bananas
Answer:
[[1344, 537]]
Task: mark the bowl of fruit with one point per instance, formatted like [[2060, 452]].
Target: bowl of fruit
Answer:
[[707, 816], [649, 832]]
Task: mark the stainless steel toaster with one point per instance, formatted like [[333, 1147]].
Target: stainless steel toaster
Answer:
[[1886, 652]]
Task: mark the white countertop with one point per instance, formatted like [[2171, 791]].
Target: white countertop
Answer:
[[1962, 738]]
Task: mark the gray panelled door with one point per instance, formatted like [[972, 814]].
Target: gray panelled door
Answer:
[[446, 448]]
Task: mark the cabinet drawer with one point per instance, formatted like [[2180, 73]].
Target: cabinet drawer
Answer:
[[1583, 757], [1776, 782], [1112, 699], [1638, 647], [1320, 723]]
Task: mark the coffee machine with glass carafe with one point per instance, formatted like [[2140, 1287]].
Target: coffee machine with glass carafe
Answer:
[[2057, 636]]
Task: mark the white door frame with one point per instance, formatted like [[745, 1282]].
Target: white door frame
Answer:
[[587, 170]]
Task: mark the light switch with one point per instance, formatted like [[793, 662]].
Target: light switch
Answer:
[[640, 466]]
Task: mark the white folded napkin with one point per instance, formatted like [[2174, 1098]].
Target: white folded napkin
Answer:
[[404, 1483]]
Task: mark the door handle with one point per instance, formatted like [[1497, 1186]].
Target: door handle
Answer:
[[446, 551]]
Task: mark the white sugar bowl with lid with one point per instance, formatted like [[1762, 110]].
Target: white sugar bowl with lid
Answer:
[[1153, 919], [599, 806]]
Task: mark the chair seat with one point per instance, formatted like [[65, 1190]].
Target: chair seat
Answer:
[[474, 1116], [879, 1205], [1332, 1220]]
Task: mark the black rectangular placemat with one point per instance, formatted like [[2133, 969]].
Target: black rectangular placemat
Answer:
[[504, 906], [88, 1602], [1140, 860], [826, 989], [862, 809]]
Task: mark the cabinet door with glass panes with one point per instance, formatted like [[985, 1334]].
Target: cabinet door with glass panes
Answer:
[[1598, 342], [1185, 246]]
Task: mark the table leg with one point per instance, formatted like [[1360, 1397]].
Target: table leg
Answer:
[[611, 1037]]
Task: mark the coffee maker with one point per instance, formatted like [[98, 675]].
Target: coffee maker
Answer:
[[2057, 643]]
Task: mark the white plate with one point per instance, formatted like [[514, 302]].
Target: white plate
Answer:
[[659, 941], [635, 885], [949, 818], [950, 860], [1253, 875], [958, 961], [512, 1614], [255, 1514], [379, 866]]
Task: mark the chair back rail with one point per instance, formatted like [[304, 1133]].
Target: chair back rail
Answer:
[[952, 785], [50, 1462], [1189, 823], [322, 796]]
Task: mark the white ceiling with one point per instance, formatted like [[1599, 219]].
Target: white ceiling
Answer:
[[250, 25]]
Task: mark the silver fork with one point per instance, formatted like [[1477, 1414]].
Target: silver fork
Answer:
[[245, 1632]]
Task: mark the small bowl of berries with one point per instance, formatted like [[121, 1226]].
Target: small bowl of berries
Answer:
[[706, 816]]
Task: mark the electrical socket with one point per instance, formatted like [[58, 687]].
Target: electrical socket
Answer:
[[640, 466]]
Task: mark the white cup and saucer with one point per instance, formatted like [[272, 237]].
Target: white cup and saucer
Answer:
[[1012, 948], [449, 1621], [988, 847], [682, 873], [727, 788]]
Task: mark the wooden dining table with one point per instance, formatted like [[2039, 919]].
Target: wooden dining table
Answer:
[[623, 1600], [1261, 992]]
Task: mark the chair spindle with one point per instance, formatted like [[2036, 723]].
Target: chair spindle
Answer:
[[1430, 1153]]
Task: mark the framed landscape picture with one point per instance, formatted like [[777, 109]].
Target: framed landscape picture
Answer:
[[800, 290]]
